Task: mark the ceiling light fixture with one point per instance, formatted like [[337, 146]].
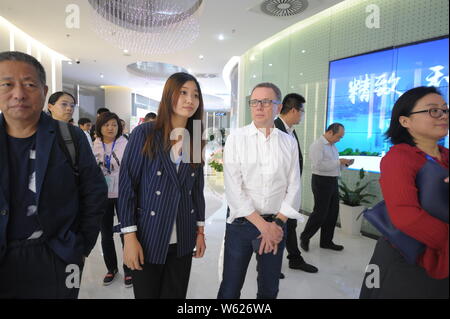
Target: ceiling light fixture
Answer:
[[154, 70], [221, 37], [147, 26], [283, 8]]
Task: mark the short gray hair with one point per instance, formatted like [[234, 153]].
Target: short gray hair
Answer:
[[23, 57], [270, 86]]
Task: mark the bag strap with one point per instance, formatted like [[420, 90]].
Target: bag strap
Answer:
[[69, 145]]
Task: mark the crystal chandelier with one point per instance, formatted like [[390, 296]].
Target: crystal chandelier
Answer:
[[147, 26]]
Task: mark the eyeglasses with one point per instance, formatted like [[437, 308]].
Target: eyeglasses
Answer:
[[264, 103], [65, 104], [434, 112]]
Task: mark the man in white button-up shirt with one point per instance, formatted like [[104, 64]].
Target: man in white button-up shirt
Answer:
[[326, 168], [262, 186], [291, 114]]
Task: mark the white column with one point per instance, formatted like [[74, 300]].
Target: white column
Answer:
[[118, 100]]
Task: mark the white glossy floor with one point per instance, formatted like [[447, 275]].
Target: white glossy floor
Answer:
[[339, 277]]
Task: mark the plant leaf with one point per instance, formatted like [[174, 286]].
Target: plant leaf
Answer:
[[360, 189]]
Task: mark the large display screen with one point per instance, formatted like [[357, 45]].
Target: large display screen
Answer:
[[363, 89]]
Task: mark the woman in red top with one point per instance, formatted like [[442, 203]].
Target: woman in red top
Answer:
[[419, 120]]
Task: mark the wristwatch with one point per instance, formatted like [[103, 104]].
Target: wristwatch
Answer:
[[279, 222]]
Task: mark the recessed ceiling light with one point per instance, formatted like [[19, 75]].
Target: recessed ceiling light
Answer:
[[301, 74], [221, 37], [189, 71], [270, 64], [70, 62], [201, 57], [303, 51], [101, 75], [254, 76], [125, 51], [252, 58]]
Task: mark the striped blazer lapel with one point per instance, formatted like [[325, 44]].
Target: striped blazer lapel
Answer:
[[185, 162], [167, 162], [170, 167], [184, 171]]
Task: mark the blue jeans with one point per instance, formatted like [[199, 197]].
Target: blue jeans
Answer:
[[238, 252]]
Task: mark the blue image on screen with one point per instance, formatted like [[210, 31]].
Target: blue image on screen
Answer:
[[362, 91]]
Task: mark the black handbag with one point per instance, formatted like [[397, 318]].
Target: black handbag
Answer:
[[433, 198]]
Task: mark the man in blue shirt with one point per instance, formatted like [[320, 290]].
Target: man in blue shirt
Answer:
[[50, 210]]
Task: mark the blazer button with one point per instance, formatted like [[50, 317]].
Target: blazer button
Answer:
[[158, 173], [152, 213], [158, 193], [4, 212], [192, 211], [193, 174], [190, 193]]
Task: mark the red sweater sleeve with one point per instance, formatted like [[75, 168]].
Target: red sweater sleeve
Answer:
[[398, 173]]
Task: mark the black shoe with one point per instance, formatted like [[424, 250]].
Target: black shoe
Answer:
[[332, 246], [109, 278], [128, 281], [302, 265], [282, 276], [304, 244]]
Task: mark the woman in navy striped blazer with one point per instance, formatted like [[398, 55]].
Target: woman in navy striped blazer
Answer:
[[161, 201]]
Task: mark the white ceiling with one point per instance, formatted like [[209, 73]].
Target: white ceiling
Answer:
[[238, 20]]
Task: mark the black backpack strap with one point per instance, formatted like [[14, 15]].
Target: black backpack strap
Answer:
[[68, 145]]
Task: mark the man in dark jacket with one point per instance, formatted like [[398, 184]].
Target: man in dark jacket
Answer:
[[50, 209], [290, 115]]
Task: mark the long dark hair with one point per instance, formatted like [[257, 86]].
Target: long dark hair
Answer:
[[163, 122], [396, 133]]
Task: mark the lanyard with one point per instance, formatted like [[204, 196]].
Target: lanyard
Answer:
[[428, 157], [108, 157]]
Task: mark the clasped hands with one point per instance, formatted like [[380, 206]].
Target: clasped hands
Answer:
[[271, 236]]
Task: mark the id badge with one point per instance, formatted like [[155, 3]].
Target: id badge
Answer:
[[109, 182]]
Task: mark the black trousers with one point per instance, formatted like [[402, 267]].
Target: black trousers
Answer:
[[167, 281], [31, 270], [291, 240], [108, 247], [326, 209]]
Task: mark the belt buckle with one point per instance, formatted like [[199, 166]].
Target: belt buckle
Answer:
[[268, 218]]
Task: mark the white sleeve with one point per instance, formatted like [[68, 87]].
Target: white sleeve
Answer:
[[291, 203], [239, 202]]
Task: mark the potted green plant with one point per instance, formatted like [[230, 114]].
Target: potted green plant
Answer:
[[216, 160], [351, 203]]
